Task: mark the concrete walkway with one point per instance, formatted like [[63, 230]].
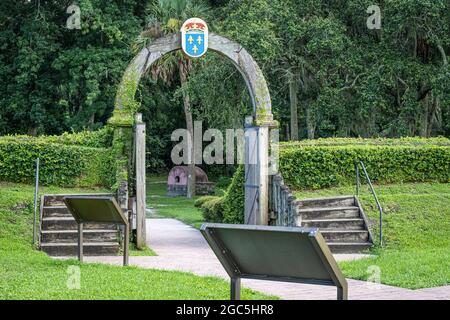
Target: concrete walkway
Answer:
[[182, 248]]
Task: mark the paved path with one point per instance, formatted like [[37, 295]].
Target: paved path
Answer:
[[181, 247]]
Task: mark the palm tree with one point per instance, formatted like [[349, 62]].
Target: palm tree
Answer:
[[166, 17]]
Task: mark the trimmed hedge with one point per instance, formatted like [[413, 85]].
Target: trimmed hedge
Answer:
[[94, 139], [326, 166], [61, 165], [407, 141], [321, 166]]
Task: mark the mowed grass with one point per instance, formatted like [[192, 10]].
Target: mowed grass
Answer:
[[416, 227], [180, 208], [29, 274]]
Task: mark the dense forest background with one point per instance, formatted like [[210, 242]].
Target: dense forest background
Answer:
[[323, 64]]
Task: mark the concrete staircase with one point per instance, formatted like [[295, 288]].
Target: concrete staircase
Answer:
[[59, 234], [341, 221]]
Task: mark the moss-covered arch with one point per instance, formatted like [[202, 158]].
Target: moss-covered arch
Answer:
[[126, 106]]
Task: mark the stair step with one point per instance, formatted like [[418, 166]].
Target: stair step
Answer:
[[335, 224], [348, 247], [345, 236], [69, 223], [329, 213], [71, 236], [89, 249], [56, 211], [343, 201]]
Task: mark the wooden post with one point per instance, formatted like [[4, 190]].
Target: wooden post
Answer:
[[80, 241], [263, 166], [252, 186], [140, 183], [126, 240]]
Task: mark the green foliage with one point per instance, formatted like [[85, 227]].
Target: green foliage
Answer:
[[94, 139], [223, 182], [230, 96], [332, 162], [198, 203], [352, 81], [53, 79], [325, 166], [213, 210], [162, 114], [234, 199], [121, 152], [63, 165], [407, 141], [393, 83]]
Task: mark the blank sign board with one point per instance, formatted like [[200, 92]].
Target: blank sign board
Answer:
[[288, 254], [95, 209]]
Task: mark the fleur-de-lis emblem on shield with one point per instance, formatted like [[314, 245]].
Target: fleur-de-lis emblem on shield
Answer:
[[194, 37]]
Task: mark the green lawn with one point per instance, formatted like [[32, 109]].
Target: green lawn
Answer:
[[29, 274], [416, 252], [179, 208]]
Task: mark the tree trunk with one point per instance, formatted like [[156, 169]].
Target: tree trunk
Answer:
[[293, 97], [32, 131], [310, 123], [184, 67], [425, 117], [443, 54]]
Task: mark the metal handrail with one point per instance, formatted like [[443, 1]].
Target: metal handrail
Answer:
[[373, 193]]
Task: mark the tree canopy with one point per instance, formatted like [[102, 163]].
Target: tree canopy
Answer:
[[349, 80]]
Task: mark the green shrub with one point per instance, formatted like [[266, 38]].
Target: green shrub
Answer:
[[200, 201], [94, 139], [325, 166], [223, 182], [212, 210], [61, 165], [407, 141], [234, 199]]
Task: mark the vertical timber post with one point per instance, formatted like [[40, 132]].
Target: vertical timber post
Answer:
[[256, 175], [140, 182], [251, 181], [263, 165], [126, 240]]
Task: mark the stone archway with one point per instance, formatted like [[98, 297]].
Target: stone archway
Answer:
[[126, 107], [256, 83]]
